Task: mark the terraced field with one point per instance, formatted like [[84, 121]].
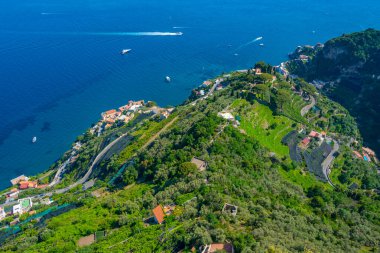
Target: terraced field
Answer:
[[258, 121], [292, 109]]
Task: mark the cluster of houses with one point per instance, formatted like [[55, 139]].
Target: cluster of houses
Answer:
[[23, 206], [282, 69], [366, 154], [124, 113], [23, 183], [208, 85], [314, 135]]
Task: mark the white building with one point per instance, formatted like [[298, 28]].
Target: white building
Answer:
[[23, 206], [17, 209], [2, 213]]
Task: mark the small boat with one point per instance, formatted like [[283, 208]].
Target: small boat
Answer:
[[168, 79], [261, 44], [34, 139], [125, 51], [179, 33]]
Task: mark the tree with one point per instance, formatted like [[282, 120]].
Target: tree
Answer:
[[263, 91], [187, 168], [280, 98]]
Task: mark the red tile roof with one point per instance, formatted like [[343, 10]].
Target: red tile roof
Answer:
[[24, 185], [314, 134], [159, 214], [110, 112], [357, 154], [306, 141]]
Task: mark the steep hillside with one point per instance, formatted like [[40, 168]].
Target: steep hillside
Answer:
[[348, 67], [227, 167]]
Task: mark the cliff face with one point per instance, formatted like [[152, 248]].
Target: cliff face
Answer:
[[349, 66]]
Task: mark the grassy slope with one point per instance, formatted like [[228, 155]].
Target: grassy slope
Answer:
[[257, 121]]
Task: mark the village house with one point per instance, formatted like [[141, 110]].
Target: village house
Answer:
[[169, 209], [201, 164], [217, 247], [257, 71], [13, 193], [369, 151], [314, 134], [23, 206], [207, 83], [226, 115], [77, 145], [2, 213], [158, 214], [14, 222], [219, 87], [110, 116], [303, 57], [28, 184], [230, 209], [357, 154], [46, 201], [305, 142], [18, 179]]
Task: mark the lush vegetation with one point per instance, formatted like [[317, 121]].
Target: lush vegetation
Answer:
[[349, 66], [281, 207]]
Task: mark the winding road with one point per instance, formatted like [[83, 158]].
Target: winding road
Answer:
[[307, 108], [327, 162], [89, 171]]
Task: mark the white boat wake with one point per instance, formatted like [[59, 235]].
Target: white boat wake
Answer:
[[249, 43], [134, 33], [102, 33]]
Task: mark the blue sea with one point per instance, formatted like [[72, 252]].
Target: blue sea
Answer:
[[60, 62]]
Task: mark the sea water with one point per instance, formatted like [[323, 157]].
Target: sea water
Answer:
[[60, 62]]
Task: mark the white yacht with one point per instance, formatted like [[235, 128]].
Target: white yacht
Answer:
[[168, 79], [125, 51], [34, 139]]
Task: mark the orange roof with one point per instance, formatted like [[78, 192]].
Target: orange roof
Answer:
[[306, 141], [41, 186], [110, 112], [33, 184], [221, 246], [158, 214], [369, 151], [313, 134], [358, 155], [14, 190], [24, 185]]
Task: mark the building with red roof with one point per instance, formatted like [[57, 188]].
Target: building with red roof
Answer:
[[305, 142], [28, 184], [207, 83], [24, 185], [357, 154], [314, 134], [158, 214]]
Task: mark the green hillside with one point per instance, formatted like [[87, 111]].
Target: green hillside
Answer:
[[281, 204], [349, 66]]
